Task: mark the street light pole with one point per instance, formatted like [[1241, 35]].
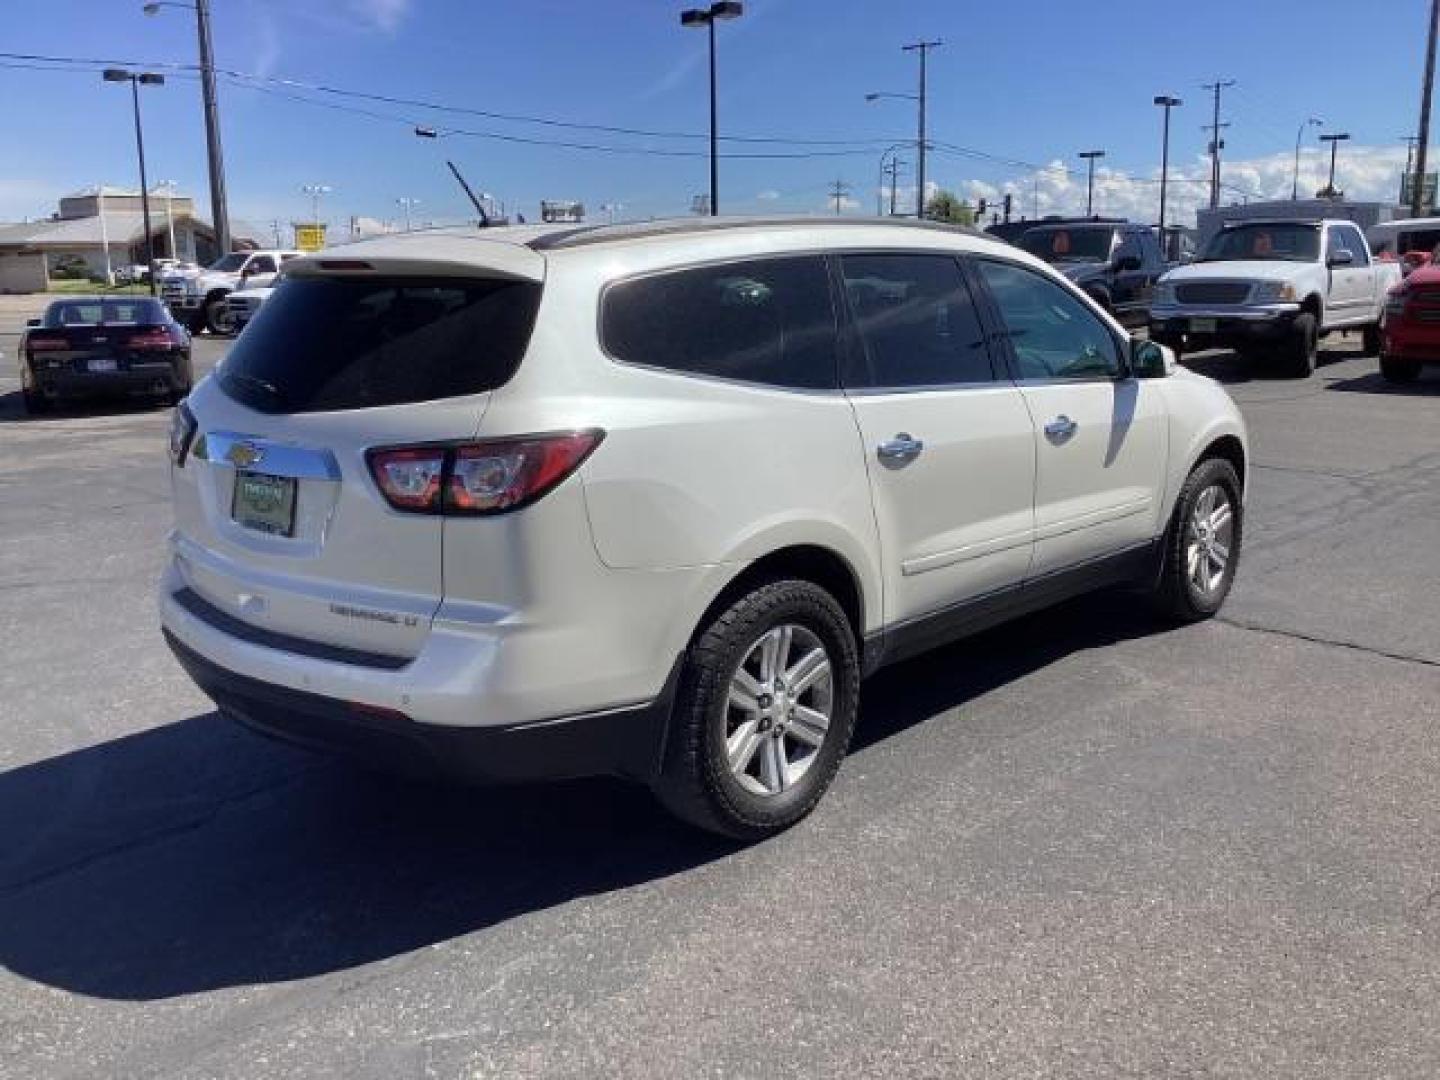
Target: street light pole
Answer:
[[1299, 135], [923, 48], [1090, 157], [722, 9], [149, 79], [1167, 102], [407, 203], [1334, 141]]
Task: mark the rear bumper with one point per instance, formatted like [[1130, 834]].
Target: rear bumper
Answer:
[[625, 742], [158, 378]]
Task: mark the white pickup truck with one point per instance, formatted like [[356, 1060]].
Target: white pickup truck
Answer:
[[1274, 287], [198, 300]]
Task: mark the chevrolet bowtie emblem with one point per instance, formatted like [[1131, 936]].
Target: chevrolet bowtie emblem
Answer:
[[244, 454]]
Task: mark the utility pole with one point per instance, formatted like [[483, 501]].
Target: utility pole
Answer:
[[923, 48], [1417, 188], [838, 190], [893, 171], [1216, 143]]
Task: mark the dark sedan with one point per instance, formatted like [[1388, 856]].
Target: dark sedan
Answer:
[[103, 346]]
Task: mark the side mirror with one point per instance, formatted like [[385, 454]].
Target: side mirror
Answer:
[[1127, 263], [1340, 257], [31, 323], [1149, 360]]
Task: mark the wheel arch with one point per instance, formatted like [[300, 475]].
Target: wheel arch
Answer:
[[1229, 448], [816, 563]]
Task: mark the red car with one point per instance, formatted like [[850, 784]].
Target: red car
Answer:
[[1410, 328]]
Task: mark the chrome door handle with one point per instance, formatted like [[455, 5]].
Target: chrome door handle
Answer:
[[903, 448], [1060, 429]]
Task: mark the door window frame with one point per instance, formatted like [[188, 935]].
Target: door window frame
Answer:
[[852, 350], [999, 334]]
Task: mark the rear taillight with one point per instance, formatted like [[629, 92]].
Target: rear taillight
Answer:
[[35, 343], [182, 434], [158, 338], [489, 477]]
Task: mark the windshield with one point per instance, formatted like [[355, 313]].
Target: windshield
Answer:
[[230, 263], [1266, 243]]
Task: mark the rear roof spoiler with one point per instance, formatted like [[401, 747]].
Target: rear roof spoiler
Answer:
[[422, 254]]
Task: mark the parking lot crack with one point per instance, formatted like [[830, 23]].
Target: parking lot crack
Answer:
[[1337, 643]]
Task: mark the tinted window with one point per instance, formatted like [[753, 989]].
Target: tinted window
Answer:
[[762, 320], [260, 264], [916, 320], [321, 343], [1053, 334], [1129, 247], [144, 312]]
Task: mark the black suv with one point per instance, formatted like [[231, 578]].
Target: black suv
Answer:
[[1117, 262]]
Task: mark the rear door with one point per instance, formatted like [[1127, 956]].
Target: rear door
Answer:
[[1101, 437], [280, 522], [949, 445]]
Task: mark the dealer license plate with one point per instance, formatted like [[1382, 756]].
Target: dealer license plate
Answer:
[[265, 503]]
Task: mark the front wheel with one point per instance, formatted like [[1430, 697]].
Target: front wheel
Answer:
[[218, 317], [1304, 342], [763, 719], [1202, 543], [1371, 340], [1396, 370]]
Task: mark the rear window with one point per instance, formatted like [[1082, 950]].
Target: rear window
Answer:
[[324, 344], [765, 321], [144, 311]]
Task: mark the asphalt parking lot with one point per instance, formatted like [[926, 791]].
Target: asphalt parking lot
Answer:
[[1082, 845]]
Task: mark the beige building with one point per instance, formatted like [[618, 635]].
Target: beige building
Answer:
[[100, 230]]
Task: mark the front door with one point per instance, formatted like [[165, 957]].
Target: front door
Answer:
[[1351, 284], [948, 440], [1101, 437]]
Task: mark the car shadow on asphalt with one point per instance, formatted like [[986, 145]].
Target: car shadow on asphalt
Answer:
[[1230, 368], [1427, 385], [196, 856], [12, 408]]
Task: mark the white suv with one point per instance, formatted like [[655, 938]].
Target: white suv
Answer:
[[650, 500]]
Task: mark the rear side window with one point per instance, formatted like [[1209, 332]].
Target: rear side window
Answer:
[[916, 321], [761, 320], [326, 344]]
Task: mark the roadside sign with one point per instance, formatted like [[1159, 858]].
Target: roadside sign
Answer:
[[310, 236]]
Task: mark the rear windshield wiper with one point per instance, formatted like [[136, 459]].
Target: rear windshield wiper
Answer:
[[250, 380]]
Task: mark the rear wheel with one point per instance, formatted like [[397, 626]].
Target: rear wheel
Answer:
[[764, 714], [1202, 543], [1396, 370], [1304, 341]]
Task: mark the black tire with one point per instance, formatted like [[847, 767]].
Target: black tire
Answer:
[[217, 320], [1177, 595], [1371, 340], [697, 783], [1396, 370], [1304, 341], [36, 404]]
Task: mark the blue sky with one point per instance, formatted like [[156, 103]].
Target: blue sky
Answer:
[[1067, 76]]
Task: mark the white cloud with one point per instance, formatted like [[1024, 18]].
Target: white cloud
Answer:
[[384, 15], [769, 195], [1363, 173]]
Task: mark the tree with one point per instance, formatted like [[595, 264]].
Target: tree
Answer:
[[945, 206]]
